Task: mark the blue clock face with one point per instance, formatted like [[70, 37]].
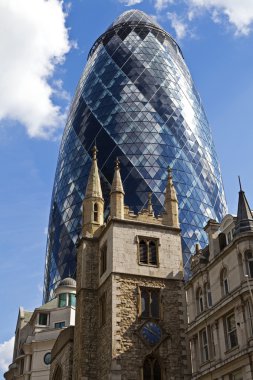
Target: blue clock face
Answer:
[[151, 333]]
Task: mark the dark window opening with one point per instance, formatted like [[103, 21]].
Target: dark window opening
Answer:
[[59, 325], [151, 369], [148, 252], [150, 303], [43, 319], [103, 260], [222, 241], [95, 212], [102, 309], [249, 258]]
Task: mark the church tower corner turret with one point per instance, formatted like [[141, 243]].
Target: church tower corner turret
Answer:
[[93, 203], [170, 216], [117, 194]]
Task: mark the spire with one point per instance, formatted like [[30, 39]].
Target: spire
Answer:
[[244, 222], [117, 194], [170, 216], [117, 183], [93, 203], [93, 188]]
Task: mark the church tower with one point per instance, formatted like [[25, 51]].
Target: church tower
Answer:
[[130, 316]]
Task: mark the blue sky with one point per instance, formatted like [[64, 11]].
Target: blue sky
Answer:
[[43, 50]]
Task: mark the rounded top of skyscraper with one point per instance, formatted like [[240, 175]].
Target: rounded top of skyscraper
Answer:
[[134, 16], [133, 20]]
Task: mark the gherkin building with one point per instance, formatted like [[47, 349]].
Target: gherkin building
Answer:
[[136, 101]]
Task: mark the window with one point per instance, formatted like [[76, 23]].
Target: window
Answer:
[[62, 300], [222, 241], [150, 303], [151, 369], [43, 319], [59, 325], [200, 303], [229, 236], [148, 251], [103, 259], [231, 334], [236, 376], [72, 299], [249, 260], [224, 282], [250, 317], [208, 295], [58, 373], [204, 345], [47, 358], [102, 309], [95, 212]]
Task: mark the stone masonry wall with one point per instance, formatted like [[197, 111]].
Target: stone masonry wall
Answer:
[[129, 351]]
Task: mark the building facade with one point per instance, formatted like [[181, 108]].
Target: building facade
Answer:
[[220, 299], [135, 100], [37, 331], [131, 311]]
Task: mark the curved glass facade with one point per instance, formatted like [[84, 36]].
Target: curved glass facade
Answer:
[[136, 101]]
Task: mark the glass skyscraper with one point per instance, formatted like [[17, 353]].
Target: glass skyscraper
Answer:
[[136, 101]]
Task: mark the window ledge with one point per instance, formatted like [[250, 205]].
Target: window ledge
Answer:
[[149, 265], [203, 364], [231, 349]]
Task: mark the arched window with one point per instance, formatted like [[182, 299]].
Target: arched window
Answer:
[[148, 251], [152, 369], [224, 282], [57, 373], [143, 251], [208, 295], [95, 212], [222, 241], [249, 261], [200, 301]]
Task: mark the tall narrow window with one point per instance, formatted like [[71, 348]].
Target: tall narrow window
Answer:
[[250, 317], [103, 259], [150, 303], [224, 282], [62, 300], [208, 295], [199, 299], [102, 309], [204, 345], [222, 241], [143, 252], [249, 260], [151, 369], [231, 333], [72, 299], [95, 212], [152, 253]]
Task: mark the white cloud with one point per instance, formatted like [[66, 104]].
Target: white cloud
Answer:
[[129, 3], [162, 4], [33, 40], [238, 12], [6, 352], [177, 24]]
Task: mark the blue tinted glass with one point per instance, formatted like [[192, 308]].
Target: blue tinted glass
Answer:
[[137, 101]]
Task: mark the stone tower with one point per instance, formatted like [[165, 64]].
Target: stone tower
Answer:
[[130, 316]]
